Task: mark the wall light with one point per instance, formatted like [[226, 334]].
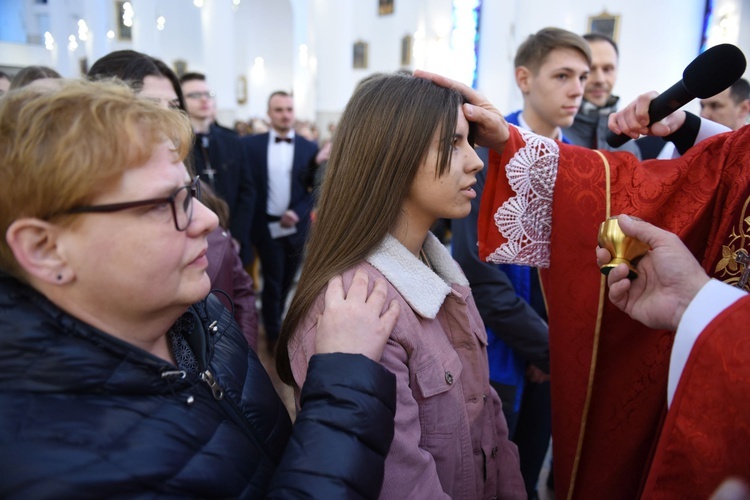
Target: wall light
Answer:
[[127, 14], [259, 69], [83, 30], [49, 42]]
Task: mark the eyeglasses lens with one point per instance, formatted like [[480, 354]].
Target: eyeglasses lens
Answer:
[[184, 204]]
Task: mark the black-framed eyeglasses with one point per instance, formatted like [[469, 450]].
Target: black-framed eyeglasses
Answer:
[[181, 201]]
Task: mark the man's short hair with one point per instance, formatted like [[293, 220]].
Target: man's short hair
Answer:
[[534, 50], [600, 37], [740, 90], [5, 75], [189, 77], [282, 93]]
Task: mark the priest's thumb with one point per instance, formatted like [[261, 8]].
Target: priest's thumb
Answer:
[[732, 489]]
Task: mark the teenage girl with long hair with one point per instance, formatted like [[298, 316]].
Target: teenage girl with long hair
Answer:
[[402, 158]]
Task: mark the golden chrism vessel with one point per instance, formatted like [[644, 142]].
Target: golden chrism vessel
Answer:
[[623, 249]]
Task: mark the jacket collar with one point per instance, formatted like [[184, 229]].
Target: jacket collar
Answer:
[[590, 109], [47, 350], [424, 289]]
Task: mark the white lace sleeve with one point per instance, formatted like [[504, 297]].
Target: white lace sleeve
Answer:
[[525, 219]]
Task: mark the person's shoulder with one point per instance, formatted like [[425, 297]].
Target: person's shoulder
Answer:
[[373, 273], [255, 139], [300, 141], [512, 118], [224, 134], [224, 131]]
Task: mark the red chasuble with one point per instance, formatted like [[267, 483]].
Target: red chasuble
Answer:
[[542, 205], [706, 436]]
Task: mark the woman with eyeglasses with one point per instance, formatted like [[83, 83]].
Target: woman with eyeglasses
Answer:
[[119, 376], [153, 79]]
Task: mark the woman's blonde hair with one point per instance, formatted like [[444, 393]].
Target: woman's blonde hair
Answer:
[[59, 148], [380, 142]]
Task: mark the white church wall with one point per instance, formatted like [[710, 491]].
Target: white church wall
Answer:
[[657, 40]]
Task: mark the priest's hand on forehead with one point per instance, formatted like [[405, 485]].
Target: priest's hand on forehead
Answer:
[[491, 128]]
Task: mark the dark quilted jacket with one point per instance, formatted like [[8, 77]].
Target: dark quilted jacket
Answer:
[[85, 415]]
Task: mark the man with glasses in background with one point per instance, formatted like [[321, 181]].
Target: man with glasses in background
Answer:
[[218, 158]]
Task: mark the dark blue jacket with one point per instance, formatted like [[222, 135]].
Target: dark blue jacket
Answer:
[[233, 181], [255, 148], [85, 415]]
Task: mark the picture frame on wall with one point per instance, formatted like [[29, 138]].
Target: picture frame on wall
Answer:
[[605, 24], [180, 67], [124, 31], [359, 55], [241, 89], [385, 7], [407, 43]]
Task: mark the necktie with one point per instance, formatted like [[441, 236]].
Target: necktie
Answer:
[[283, 139]]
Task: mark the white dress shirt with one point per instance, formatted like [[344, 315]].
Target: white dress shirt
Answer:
[[280, 159], [710, 301]]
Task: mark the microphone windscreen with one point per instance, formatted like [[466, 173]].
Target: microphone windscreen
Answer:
[[714, 70]]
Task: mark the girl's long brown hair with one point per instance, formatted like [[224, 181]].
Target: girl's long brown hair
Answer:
[[381, 139]]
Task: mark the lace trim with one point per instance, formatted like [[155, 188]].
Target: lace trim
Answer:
[[525, 220]]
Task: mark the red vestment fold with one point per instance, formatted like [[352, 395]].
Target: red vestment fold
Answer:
[[609, 373], [706, 436]]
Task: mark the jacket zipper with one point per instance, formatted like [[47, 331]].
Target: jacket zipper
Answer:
[[212, 384], [217, 392]]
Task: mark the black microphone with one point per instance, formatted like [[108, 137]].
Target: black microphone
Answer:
[[710, 73]]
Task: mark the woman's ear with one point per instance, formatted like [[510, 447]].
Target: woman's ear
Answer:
[[34, 244]]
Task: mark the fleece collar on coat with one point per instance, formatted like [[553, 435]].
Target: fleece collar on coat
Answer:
[[424, 289]]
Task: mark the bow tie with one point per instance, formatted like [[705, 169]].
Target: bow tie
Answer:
[[283, 139]]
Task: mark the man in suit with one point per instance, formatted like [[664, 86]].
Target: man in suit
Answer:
[[282, 165], [218, 158]]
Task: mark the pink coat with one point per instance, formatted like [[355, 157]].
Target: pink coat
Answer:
[[451, 438]]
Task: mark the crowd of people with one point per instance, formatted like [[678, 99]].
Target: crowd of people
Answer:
[[133, 221]]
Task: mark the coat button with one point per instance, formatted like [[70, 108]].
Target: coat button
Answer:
[[484, 398], [494, 452], [449, 378]]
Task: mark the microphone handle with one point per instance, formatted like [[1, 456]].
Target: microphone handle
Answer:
[[662, 106]]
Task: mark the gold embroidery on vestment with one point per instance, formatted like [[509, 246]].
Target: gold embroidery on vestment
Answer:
[[727, 269]]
